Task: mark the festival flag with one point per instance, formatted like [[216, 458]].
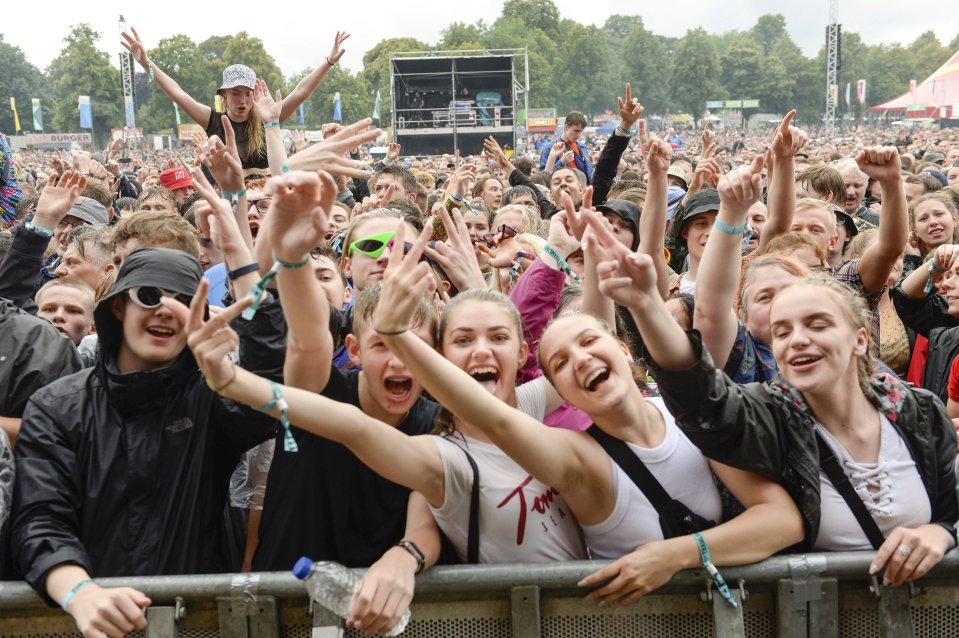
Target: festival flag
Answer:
[[301, 114], [848, 89], [376, 107], [16, 118], [337, 108], [861, 91], [37, 115], [176, 111], [128, 108], [86, 112]]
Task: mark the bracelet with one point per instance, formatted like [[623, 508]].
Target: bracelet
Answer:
[[73, 592], [622, 130], [40, 230], [220, 389], [233, 197], [285, 168], [389, 334], [718, 580], [292, 265], [729, 230], [149, 71], [457, 197], [289, 443], [332, 64], [270, 124], [415, 552], [245, 270], [933, 269], [563, 264]]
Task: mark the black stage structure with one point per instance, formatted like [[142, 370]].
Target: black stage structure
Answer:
[[444, 100]]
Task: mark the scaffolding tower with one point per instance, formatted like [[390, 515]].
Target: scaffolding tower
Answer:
[[833, 43], [126, 75]]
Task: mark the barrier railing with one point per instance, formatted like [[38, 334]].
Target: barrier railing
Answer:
[[821, 595]]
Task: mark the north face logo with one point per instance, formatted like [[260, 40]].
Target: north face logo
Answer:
[[178, 425]]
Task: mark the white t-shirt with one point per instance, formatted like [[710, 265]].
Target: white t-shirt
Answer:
[[687, 286], [683, 472], [520, 518], [891, 489]]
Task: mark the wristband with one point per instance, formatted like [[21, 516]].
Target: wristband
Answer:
[[415, 552], [292, 265], [73, 592], [622, 130], [270, 124], [563, 264], [718, 580], [933, 269], [256, 293], [245, 270], [289, 443], [149, 71], [729, 230], [40, 230], [457, 198], [233, 197], [332, 64]]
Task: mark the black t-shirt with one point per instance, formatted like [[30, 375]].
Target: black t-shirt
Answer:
[[215, 127], [324, 503]]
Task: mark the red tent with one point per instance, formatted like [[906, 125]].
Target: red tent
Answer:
[[939, 91]]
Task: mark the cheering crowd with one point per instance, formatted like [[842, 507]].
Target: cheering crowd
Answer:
[[663, 349]]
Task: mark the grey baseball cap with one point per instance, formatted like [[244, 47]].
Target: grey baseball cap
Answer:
[[90, 211], [238, 75]]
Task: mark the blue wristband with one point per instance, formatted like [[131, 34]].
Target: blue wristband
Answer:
[[718, 580], [73, 592], [729, 230], [270, 124]]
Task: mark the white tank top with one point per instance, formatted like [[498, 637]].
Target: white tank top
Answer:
[[891, 490], [683, 472]]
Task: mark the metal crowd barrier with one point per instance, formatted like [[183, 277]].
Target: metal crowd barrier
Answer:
[[809, 595]]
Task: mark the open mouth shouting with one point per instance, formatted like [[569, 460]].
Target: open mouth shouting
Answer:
[[596, 378], [398, 389], [487, 377]]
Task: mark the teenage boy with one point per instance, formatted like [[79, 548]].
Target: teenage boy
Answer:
[[67, 303]]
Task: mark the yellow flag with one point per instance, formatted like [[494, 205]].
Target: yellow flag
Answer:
[[16, 118]]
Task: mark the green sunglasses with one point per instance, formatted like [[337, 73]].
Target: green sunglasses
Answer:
[[372, 246]]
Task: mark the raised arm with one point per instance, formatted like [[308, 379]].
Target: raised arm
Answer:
[[199, 113], [223, 160], [413, 462], [269, 110], [308, 84], [882, 164], [781, 196], [714, 315], [652, 223], [630, 110], [567, 467]]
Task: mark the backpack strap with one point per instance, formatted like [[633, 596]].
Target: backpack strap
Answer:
[[473, 538], [830, 466]]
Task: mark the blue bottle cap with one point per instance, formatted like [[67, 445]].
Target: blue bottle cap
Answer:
[[302, 567]]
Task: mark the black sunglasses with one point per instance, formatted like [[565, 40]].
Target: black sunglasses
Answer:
[[503, 232]]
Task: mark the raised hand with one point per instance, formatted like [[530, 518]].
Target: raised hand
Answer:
[[81, 161], [223, 159], [456, 255], [658, 156], [393, 152], [57, 198], [788, 139], [880, 163], [317, 157], [299, 212], [945, 256], [337, 51], [558, 148], [266, 107], [568, 158], [630, 110], [626, 277], [134, 45], [212, 341], [707, 172], [215, 218], [709, 140], [462, 176], [492, 148], [405, 281], [741, 188]]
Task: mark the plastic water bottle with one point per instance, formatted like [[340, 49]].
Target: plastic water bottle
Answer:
[[333, 585]]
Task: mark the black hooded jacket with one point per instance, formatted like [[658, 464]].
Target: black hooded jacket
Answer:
[[128, 474]]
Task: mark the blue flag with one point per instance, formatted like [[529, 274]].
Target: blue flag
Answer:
[[86, 112], [128, 107], [337, 108], [301, 114]]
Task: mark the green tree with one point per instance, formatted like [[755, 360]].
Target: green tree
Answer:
[[462, 36], [213, 49], [928, 54], [21, 81], [694, 72], [182, 60], [889, 71], [954, 44], [741, 66], [83, 69], [808, 81], [583, 71], [645, 64], [376, 69], [768, 30], [617, 26], [534, 14], [509, 33], [245, 49]]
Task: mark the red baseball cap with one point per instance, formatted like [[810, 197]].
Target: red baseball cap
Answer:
[[174, 178]]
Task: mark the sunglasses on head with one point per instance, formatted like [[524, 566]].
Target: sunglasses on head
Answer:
[[503, 232], [149, 296], [372, 246]]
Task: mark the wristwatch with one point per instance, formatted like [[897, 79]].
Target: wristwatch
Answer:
[[411, 547]]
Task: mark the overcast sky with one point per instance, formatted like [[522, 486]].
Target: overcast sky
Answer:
[[301, 38]]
